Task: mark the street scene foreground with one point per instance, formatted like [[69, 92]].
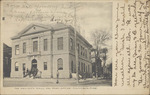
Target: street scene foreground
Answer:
[[11, 82]]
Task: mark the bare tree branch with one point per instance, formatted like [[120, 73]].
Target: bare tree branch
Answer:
[[100, 37]]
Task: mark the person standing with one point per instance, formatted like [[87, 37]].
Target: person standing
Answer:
[[57, 77], [27, 71], [23, 73]]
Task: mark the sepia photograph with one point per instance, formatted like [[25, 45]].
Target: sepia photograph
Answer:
[[75, 47], [57, 44]]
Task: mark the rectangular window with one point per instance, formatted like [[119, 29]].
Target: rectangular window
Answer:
[[89, 55], [84, 67], [71, 44], [24, 47], [81, 50], [86, 53], [45, 65], [60, 43], [88, 68], [78, 48], [16, 66], [72, 66], [24, 66], [35, 46], [45, 44], [17, 49], [79, 66]]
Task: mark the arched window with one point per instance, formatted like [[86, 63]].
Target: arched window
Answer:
[[34, 61], [60, 64], [16, 66]]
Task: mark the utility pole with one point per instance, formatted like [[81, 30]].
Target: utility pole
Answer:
[[76, 51]]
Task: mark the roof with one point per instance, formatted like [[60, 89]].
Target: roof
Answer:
[[51, 27]]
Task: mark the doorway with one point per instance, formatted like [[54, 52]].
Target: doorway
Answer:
[[34, 64]]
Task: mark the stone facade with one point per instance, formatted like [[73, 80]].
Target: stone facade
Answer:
[[49, 48]]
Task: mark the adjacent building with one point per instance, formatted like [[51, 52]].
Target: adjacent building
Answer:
[[6, 60], [50, 48]]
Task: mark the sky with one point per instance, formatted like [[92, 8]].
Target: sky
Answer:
[[89, 16]]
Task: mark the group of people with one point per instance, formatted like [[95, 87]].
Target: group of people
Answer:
[[33, 73]]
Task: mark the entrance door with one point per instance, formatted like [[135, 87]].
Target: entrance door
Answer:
[[34, 69], [34, 64]]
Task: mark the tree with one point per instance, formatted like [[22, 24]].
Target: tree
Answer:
[[104, 50], [100, 37], [110, 69]]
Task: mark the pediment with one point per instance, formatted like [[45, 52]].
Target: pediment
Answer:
[[34, 29]]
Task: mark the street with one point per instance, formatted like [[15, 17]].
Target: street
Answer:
[[16, 82]]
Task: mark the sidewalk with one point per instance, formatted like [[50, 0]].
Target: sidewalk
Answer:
[[23, 82]]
